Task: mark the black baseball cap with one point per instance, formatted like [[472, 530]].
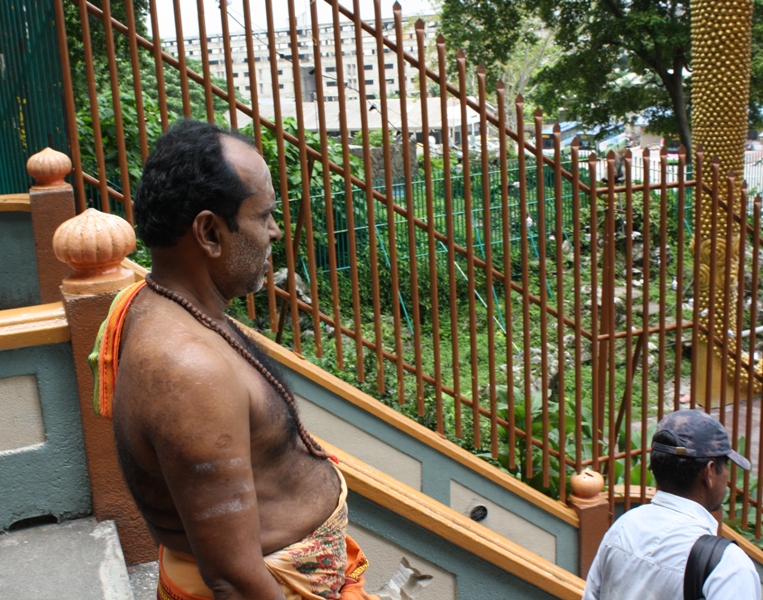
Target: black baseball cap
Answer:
[[697, 435]]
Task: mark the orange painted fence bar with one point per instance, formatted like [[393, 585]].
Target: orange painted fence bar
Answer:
[[482, 282]]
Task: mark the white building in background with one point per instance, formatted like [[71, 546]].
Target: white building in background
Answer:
[[355, 68]]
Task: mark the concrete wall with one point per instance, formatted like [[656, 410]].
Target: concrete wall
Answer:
[[457, 575], [42, 458], [18, 266], [413, 462]]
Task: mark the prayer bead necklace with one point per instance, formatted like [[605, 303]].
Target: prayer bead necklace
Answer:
[[286, 395]]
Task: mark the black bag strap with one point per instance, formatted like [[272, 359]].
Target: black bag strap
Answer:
[[705, 555]]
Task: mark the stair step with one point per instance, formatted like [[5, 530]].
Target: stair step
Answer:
[[79, 559]]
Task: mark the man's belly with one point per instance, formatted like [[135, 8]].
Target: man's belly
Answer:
[[287, 513]]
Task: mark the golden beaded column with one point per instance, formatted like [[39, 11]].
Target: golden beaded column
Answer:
[[721, 33]]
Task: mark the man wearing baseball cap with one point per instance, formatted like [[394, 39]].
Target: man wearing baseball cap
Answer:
[[643, 555]]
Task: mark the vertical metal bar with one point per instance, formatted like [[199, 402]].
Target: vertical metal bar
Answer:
[[578, 306], [507, 273], [135, 63], [370, 202], [181, 59], [256, 127], [663, 280], [751, 364], [306, 176], [596, 425], [283, 181], [727, 308], [450, 232], [327, 188], [680, 275], [159, 64], [709, 310], [488, 241], [646, 233], [736, 346], [208, 100], [410, 210], [349, 199], [609, 283], [117, 107], [543, 282], [525, 235], [71, 116], [628, 397], [103, 185], [461, 60], [696, 253], [560, 346], [232, 111], [250, 64]]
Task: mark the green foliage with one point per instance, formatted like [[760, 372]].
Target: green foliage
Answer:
[[617, 58], [130, 118], [555, 444], [291, 152], [74, 31], [375, 138]]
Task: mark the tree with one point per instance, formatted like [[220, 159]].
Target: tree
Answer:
[[619, 57]]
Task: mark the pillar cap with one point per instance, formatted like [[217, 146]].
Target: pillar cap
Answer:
[[94, 244], [587, 486], [48, 168]]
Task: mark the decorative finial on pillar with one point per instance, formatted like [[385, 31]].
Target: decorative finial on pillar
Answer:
[[49, 167], [94, 244], [587, 486]]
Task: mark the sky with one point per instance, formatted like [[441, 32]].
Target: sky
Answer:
[[280, 10]]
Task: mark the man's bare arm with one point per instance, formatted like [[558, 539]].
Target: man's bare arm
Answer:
[[201, 435]]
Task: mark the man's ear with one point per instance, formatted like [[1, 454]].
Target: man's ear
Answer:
[[208, 232], [709, 474]]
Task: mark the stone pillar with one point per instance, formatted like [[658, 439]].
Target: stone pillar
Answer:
[[52, 202], [94, 244], [592, 508]]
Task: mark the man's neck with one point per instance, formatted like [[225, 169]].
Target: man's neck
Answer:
[[193, 284]]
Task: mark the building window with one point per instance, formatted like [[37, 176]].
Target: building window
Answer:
[[248, 88], [331, 84], [235, 74], [330, 69], [369, 81], [369, 67], [280, 71], [388, 65], [280, 86]]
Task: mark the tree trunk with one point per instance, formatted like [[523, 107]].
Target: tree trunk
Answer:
[[674, 84]]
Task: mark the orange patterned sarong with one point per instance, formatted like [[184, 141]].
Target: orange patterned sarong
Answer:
[[326, 565]]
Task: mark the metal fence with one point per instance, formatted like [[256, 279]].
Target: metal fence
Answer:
[[556, 349]]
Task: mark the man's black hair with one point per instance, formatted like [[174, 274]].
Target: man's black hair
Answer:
[[678, 474], [186, 174]]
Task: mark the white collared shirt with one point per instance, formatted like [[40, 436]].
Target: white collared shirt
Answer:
[[643, 556]]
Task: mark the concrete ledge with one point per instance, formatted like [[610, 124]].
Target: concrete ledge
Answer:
[[77, 559]]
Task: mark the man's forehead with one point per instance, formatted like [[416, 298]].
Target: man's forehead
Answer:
[[245, 159]]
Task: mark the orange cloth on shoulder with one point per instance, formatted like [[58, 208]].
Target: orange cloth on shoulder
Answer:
[[104, 359]]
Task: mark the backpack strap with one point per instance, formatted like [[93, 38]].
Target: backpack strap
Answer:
[[705, 555]]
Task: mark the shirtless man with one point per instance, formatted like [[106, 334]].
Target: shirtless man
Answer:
[[211, 444]]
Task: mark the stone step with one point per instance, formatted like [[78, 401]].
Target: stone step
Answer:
[[79, 559]]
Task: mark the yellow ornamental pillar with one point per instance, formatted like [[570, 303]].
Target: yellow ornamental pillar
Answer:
[[721, 32]]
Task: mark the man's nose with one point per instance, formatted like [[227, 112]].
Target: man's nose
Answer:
[[275, 231]]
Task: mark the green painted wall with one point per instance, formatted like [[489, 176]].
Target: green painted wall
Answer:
[[49, 478], [31, 93], [476, 578], [438, 470], [19, 285]]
